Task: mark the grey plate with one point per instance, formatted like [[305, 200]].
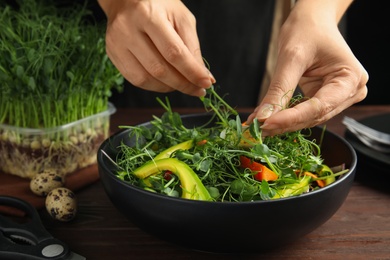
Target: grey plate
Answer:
[[378, 122]]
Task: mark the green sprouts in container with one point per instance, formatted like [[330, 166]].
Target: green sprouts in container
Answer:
[[53, 66], [55, 82]]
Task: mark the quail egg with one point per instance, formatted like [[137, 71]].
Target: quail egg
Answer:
[[41, 184], [61, 204]]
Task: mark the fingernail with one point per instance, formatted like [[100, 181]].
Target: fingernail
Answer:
[[265, 111], [202, 92], [205, 83], [267, 126], [213, 80]]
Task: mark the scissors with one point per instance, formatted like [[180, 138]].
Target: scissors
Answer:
[[29, 239]]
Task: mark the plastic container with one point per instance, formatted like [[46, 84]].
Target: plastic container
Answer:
[[27, 151]]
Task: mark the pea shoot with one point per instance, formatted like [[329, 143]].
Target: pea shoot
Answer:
[[227, 160], [56, 79]]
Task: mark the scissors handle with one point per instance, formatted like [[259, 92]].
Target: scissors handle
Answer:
[[29, 239]]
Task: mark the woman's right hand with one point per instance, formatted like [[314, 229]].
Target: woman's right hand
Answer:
[[313, 54], [154, 44]]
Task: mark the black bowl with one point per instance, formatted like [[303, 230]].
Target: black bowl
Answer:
[[229, 227]]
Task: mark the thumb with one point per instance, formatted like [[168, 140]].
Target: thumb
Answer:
[[280, 91]]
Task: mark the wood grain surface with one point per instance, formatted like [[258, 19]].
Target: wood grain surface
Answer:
[[359, 230]]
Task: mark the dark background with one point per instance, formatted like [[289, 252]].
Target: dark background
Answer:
[[368, 31]]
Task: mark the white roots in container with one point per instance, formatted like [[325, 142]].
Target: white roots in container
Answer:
[[64, 152]]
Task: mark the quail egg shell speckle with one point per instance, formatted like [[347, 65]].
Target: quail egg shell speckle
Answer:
[[41, 184], [61, 204]]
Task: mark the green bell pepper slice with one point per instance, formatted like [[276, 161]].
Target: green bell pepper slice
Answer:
[[326, 171], [294, 189]]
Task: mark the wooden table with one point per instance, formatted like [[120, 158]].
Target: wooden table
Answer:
[[359, 230]]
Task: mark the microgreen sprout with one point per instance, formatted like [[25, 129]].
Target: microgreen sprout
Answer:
[[219, 106], [216, 156], [53, 69], [56, 80]]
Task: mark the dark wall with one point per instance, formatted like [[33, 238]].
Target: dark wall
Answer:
[[368, 31]]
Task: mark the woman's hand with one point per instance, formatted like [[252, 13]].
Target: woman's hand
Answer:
[[314, 55], [154, 44]]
